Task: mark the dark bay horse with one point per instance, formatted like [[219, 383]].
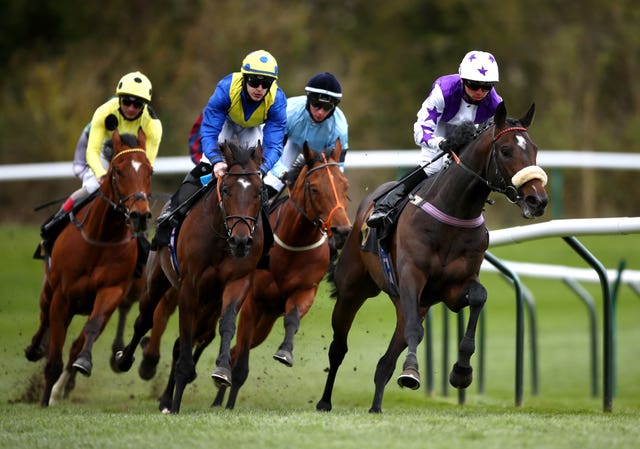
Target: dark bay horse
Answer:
[[210, 273], [435, 251], [302, 223], [92, 266]]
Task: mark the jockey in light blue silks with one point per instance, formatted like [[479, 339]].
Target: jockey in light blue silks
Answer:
[[314, 118]]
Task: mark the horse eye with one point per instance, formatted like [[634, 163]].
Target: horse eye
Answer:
[[506, 151]]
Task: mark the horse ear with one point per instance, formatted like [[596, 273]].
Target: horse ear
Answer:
[[257, 153], [115, 138], [142, 138], [500, 116], [307, 151], [527, 119], [225, 150], [337, 150]]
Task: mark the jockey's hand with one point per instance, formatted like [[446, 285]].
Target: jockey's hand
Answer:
[[219, 169], [445, 145]]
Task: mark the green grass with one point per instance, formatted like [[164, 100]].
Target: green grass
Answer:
[[276, 407]]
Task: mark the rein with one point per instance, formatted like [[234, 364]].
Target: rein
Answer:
[[323, 225], [501, 186], [119, 206]]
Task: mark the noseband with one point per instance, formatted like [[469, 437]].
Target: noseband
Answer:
[[250, 222], [498, 183]]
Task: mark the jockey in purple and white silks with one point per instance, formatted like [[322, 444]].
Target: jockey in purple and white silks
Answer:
[[314, 118], [468, 95]]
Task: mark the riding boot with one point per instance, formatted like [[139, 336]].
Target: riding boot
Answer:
[[385, 206], [48, 228], [49, 231], [171, 218]]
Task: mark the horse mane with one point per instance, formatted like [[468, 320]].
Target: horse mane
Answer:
[[240, 153], [129, 140], [291, 175]]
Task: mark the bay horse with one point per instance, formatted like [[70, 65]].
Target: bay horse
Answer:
[[93, 264], [435, 251], [314, 211], [210, 272]]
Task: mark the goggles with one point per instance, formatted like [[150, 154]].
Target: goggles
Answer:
[[475, 85], [322, 101], [129, 101], [256, 81]]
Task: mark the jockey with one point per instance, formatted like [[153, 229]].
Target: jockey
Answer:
[[248, 106], [314, 118], [468, 95], [127, 111]]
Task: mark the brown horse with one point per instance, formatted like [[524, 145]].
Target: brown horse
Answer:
[[93, 263], [435, 251], [210, 272], [314, 209]]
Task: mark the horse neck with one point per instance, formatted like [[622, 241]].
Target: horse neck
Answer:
[[458, 192], [293, 221], [103, 221]]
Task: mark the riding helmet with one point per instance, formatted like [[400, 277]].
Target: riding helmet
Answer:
[[479, 66], [260, 62], [136, 84]]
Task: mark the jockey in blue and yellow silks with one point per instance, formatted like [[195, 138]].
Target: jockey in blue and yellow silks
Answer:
[[247, 106]]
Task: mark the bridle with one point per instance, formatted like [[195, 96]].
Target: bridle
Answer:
[[137, 196], [323, 224], [119, 206], [249, 221], [495, 180]]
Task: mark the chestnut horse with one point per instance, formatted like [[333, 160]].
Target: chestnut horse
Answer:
[[435, 252], [210, 272], [93, 263], [313, 211]]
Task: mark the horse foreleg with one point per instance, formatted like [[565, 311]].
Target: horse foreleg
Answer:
[[59, 322], [151, 352], [344, 313], [284, 354], [222, 373], [166, 398], [39, 342], [297, 307], [475, 295], [67, 381], [387, 364], [156, 288], [105, 304], [118, 341]]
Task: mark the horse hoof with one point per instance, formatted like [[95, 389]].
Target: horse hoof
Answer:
[[323, 406], [33, 353], [284, 357], [460, 377], [122, 365], [409, 378], [221, 377], [83, 365], [147, 368]]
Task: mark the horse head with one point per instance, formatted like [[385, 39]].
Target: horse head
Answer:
[[130, 179], [512, 167], [240, 195], [320, 191]]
